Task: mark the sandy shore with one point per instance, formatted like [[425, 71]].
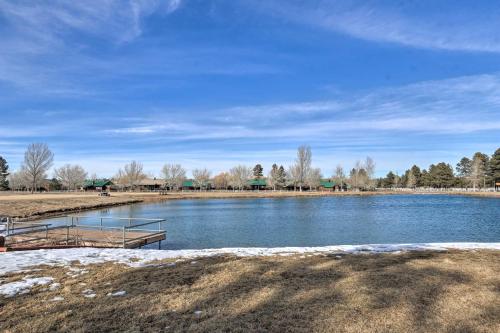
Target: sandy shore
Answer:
[[33, 206], [451, 291]]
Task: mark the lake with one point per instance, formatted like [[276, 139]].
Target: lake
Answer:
[[319, 221]]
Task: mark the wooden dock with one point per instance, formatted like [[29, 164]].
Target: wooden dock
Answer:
[[29, 236]]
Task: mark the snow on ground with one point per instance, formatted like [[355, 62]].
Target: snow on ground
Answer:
[[18, 261], [117, 293], [23, 286]]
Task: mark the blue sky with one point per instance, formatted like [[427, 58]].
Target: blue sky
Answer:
[[217, 83]]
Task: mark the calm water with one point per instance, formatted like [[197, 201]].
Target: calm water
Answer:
[[320, 221]]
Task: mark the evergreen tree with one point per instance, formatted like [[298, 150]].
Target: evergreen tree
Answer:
[[258, 171], [4, 168], [464, 170], [281, 177], [494, 167], [415, 170], [441, 175], [425, 179], [480, 166], [388, 181]]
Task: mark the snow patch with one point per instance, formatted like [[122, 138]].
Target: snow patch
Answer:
[[117, 293], [54, 286], [89, 293], [17, 261], [23, 286]]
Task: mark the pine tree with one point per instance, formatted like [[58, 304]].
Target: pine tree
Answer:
[[415, 170], [494, 167], [281, 177], [4, 168], [389, 179], [258, 171]]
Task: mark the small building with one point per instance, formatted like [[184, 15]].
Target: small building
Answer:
[[497, 186], [97, 184], [151, 184], [327, 185], [190, 185], [257, 184]]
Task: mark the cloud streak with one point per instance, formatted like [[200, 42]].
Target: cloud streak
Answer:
[[441, 26]]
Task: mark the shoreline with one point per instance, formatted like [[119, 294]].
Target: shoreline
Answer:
[[31, 207], [18, 261]]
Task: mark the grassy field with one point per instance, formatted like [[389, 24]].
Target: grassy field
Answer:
[[33, 206], [456, 291]]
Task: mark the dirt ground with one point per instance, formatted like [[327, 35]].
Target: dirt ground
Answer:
[[457, 291], [32, 206]]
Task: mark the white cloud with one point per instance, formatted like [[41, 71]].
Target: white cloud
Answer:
[[434, 26]]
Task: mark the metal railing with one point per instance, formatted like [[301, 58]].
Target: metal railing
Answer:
[[128, 233], [125, 229]]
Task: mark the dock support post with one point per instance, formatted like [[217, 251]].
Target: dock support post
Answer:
[[159, 245], [123, 237], [67, 235]]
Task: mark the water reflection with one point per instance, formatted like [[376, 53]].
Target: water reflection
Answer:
[[320, 221]]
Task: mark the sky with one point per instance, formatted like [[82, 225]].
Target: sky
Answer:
[[212, 83]]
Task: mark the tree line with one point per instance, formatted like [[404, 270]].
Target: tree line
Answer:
[[479, 171]]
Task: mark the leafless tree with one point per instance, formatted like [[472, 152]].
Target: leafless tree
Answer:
[[201, 177], [477, 171], [302, 165], [340, 175], [369, 167], [294, 176], [240, 175], [37, 160], [222, 180], [274, 177], [131, 175], [314, 178], [174, 175], [71, 176], [411, 181], [19, 180]]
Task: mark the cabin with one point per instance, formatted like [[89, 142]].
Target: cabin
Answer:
[[97, 184], [257, 184], [190, 185], [151, 184], [327, 185]]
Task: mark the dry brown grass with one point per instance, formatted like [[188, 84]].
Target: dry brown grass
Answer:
[[39, 205], [454, 291]]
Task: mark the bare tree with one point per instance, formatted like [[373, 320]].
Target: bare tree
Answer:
[[70, 176], [369, 167], [240, 175], [273, 177], [37, 160], [201, 177], [314, 178], [477, 171], [19, 180], [340, 175], [411, 180], [222, 180], [294, 176], [302, 165], [174, 175], [131, 175]]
